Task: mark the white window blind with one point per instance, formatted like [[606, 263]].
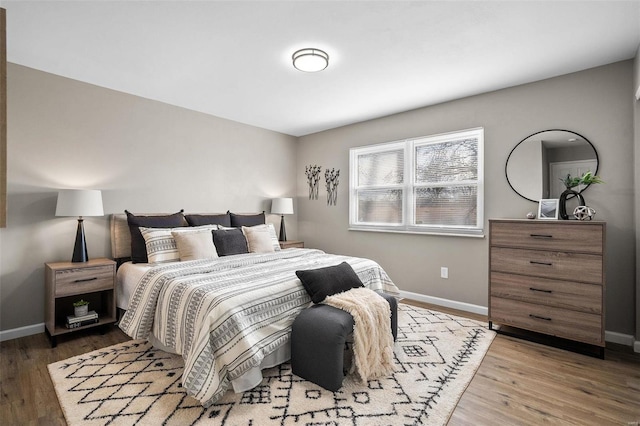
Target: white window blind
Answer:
[[432, 184]]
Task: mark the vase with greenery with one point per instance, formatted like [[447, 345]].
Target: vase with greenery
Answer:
[[586, 179], [80, 308]]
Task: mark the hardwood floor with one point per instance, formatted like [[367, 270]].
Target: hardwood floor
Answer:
[[518, 382], [525, 383], [27, 396]]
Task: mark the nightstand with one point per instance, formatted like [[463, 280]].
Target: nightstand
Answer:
[[68, 282], [291, 244]]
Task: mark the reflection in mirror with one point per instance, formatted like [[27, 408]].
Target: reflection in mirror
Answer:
[[537, 164]]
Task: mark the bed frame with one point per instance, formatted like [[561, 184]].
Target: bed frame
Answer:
[[120, 237]]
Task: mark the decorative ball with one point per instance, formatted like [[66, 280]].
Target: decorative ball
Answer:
[[584, 213], [531, 215]]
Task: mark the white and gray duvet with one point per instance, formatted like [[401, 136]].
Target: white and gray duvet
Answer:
[[224, 316]]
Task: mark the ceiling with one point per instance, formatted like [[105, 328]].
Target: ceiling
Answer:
[[233, 59]]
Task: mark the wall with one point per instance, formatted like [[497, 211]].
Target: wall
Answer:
[[593, 103], [146, 156], [63, 134]]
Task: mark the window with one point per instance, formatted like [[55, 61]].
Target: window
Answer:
[[431, 184]]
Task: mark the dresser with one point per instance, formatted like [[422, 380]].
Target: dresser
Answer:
[[548, 277]]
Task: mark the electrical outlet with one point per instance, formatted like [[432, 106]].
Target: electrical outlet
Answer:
[[444, 272]]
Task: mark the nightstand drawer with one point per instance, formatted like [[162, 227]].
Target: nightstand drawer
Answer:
[[291, 244], [83, 280]]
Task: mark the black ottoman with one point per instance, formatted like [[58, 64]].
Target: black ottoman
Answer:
[[318, 337]]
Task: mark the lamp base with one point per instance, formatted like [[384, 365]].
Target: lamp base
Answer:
[[283, 232], [80, 248]]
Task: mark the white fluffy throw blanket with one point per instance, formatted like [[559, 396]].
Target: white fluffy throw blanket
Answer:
[[372, 338]]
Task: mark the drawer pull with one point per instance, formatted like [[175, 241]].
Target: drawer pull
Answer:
[[85, 280], [535, 262], [539, 317], [540, 236], [540, 290]]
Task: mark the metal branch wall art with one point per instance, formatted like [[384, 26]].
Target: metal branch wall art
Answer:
[[313, 177], [332, 179]]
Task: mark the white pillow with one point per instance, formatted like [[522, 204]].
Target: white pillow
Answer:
[[274, 237], [261, 238], [195, 245], [272, 234], [258, 239], [161, 246]]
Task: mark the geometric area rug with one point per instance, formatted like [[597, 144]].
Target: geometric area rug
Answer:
[[132, 383]]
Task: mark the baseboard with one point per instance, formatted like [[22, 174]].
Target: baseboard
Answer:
[[15, 333], [619, 338], [453, 304]]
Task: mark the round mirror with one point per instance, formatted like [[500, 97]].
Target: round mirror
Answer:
[[538, 164]]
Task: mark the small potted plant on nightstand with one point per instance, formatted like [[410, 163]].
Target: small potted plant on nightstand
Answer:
[[80, 308]]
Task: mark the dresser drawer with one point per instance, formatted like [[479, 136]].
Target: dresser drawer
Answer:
[[560, 294], [580, 237], [548, 264], [558, 322], [83, 280]]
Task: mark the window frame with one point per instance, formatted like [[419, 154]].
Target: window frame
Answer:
[[409, 186]]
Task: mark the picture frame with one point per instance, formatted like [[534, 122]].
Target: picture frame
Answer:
[[548, 208]]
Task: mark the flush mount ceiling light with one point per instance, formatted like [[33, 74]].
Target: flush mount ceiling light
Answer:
[[310, 60]]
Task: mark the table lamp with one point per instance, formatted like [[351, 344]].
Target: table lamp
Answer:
[[79, 202], [282, 206]]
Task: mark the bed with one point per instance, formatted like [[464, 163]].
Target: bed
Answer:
[[229, 317]]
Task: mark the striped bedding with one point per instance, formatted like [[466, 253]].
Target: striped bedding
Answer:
[[225, 315]]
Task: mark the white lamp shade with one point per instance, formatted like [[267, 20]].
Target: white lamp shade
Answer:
[[79, 202], [282, 206]]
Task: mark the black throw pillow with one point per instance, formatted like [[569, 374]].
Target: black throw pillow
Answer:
[[229, 241], [138, 247], [323, 282], [240, 220], [223, 219]]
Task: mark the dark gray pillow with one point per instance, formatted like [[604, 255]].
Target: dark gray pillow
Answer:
[[223, 219], [239, 220], [138, 247], [229, 241], [323, 282]]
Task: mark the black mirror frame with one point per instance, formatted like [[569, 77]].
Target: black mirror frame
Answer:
[[542, 131]]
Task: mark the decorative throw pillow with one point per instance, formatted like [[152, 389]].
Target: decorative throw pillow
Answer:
[[261, 238], [161, 242], [229, 241], [138, 246], [327, 281], [161, 247], [195, 245], [223, 219], [258, 239], [240, 220]]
